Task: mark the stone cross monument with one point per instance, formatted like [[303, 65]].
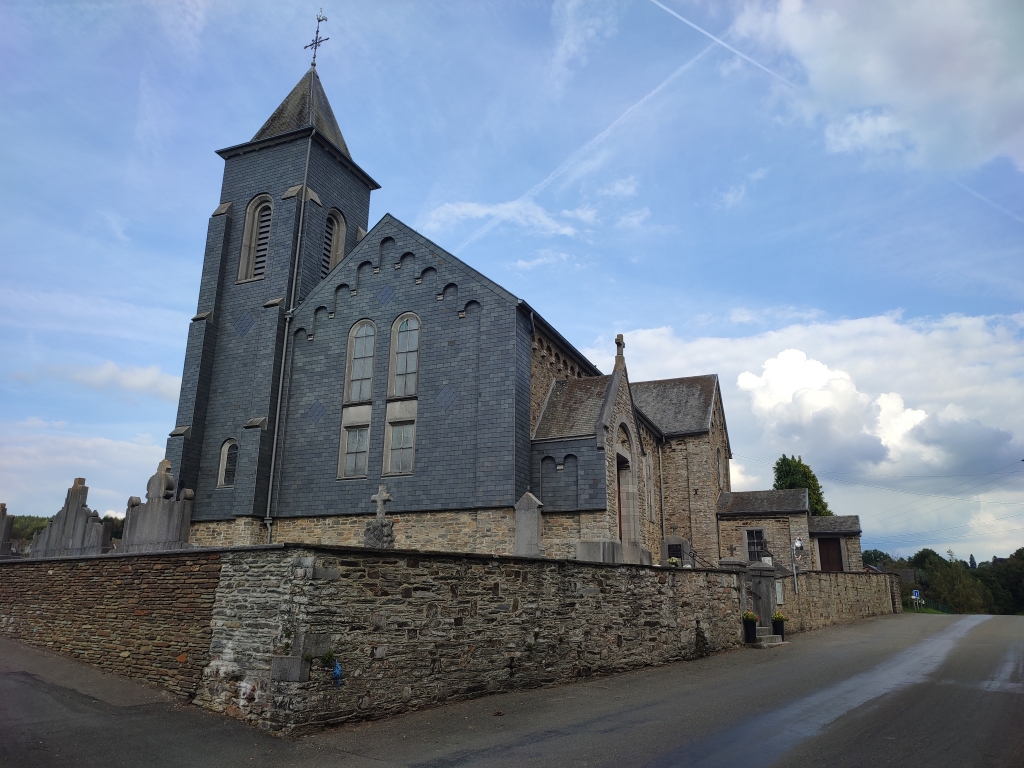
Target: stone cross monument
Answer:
[[379, 533]]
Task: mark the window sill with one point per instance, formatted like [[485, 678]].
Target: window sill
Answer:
[[347, 403], [398, 474], [352, 477], [398, 398], [250, 280]]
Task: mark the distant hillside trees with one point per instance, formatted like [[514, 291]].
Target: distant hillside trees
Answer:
[[791, 472]]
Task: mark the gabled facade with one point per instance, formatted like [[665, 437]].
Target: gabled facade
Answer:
[[327, 358]]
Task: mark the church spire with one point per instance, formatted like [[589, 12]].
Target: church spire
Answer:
[[306, 106]]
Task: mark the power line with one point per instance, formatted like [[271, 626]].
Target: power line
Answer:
[[957, 538], [950, 528]]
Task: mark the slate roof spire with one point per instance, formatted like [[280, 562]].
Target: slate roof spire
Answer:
[[305, 106]]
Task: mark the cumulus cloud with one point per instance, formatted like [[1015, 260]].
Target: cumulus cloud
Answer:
[[524, 212], [579, 24], [881, 395], [110, 377], [942, 82]]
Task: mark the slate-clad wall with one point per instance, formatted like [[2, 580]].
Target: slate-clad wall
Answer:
[[414, 630], [145, 616], [555, 489], [838, 598], [464, 456]]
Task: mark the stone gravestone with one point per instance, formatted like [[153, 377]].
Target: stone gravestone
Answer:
[[679, 548], [6, 525], [527, 540], [379, 533], [161, 523], [75, 530]]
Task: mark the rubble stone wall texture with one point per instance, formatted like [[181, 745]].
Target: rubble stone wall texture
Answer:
[[487, 531], [143, 616], [854, 558], [837, 598], [549, 362], [411, 630]]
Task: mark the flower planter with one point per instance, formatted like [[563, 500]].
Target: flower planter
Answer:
[[779, 628], [749, 631]]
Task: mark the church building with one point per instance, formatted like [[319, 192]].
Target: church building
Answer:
[[328, 358]]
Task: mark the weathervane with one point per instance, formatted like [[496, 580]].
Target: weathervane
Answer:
[[317, 40]]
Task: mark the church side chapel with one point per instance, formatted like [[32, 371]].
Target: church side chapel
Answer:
[[330, 362]]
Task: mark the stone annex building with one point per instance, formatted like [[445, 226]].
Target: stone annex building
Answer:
[[327, 358]]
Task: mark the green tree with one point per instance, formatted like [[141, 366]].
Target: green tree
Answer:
[[791, 472], [877, 558], [25, 526], [973, 563]]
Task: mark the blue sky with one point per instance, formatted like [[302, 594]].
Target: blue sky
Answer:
[[837, 234]]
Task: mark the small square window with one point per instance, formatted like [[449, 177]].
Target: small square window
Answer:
[[357, 446], [403, 438]]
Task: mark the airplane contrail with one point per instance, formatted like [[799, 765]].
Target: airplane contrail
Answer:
[[992, 203], [578, 155], [725, 45]]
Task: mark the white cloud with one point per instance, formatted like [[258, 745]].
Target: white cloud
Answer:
[[878, 395], [37, 466], [546, 258], [944, 80], [626, 187], [111, 377], [736, 193], [579, 24], [632, 219], [523, 212], [584, 213]]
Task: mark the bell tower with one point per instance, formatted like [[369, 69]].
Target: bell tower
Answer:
[[293, 203]]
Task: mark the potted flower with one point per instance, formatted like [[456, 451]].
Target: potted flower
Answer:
[[750, 620], [779, 620], [673, 562]]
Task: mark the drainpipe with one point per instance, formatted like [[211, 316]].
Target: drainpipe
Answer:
[[661, 491], [269, 519]]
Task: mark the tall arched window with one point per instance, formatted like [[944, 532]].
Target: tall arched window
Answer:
[[360, 358], [252, 265], [334, 242], [405, 360], [228, 464]]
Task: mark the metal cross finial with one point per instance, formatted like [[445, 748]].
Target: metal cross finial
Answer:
[[382, 497], [317, 40]]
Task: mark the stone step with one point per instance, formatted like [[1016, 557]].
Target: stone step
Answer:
[[762, 631]]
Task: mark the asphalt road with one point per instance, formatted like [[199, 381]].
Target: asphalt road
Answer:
[[906, 691]]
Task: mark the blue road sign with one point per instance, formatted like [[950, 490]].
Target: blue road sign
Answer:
[[916, 594]]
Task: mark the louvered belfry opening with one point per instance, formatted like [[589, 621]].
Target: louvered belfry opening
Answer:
[[325, 258], [259, 263]]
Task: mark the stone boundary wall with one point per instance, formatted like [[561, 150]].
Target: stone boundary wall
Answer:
[[144, 616], [837, 598], [413, 630]]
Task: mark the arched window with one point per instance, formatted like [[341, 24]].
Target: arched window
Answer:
[[228, 464], [252, 265], [360, 362], [334, 242], [405, 356]]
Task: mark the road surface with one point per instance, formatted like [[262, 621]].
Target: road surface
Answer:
[[911, 690]]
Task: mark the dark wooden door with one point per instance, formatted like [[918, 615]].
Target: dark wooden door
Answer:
[[831, 555]]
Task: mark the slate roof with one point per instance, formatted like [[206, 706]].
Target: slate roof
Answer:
[[305, 106], [848, 524], [677, 406], [573, 408], [765, 502]]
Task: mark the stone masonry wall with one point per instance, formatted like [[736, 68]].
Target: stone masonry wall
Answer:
[[145, 616], [486, 531], [413, 630], [837, 598], [549, 362]]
